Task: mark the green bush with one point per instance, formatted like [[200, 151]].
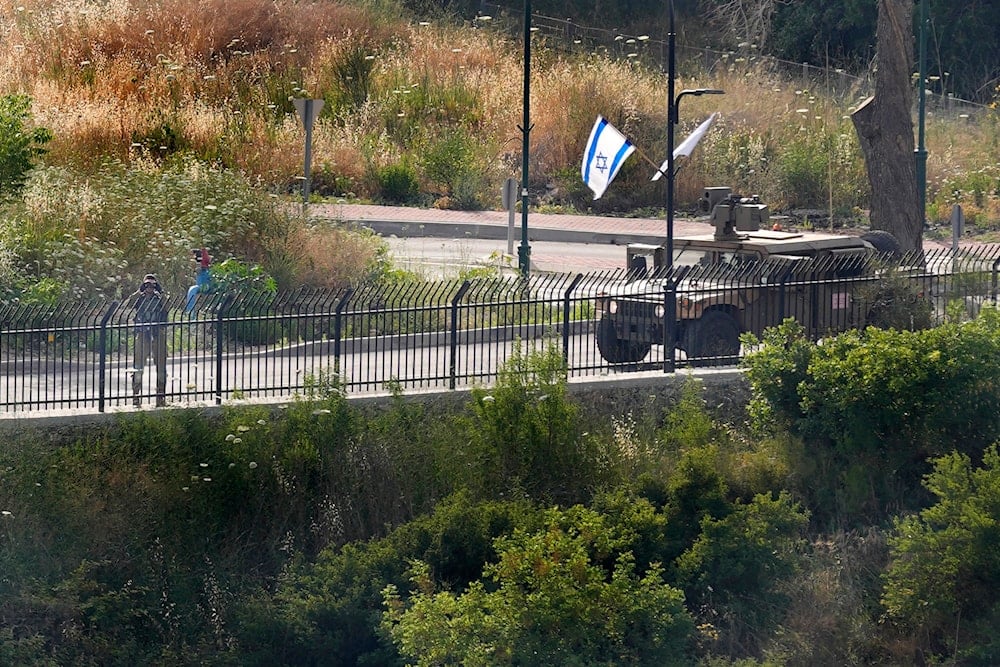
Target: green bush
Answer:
[[102, 231], [524, 433], [450, 163], [873, 405], [397, 183], [331, 607], [732, 572], [819, 165], [20, 146], [568, 594], [945, 570]]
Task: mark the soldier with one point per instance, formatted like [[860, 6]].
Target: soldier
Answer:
[[150, 337]]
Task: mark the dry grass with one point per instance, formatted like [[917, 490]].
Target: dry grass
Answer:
[[216, 76]]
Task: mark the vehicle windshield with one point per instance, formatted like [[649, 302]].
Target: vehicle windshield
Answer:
[[713, 257]]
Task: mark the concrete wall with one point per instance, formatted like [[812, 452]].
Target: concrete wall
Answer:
[[725, 392]]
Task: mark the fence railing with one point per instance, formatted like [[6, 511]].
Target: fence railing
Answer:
[[440, 335]]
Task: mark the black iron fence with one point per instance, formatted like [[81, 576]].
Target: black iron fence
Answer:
[[444, 335]]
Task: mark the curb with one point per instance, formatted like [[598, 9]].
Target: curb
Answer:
[[452, 230]]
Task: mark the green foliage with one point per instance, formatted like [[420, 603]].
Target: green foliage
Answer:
[[164, 137], [820, 165], [567, 594], [731, 572], [945, 566], [879, 402], [978, 192], [524, 433], [742, 157], [332, 607], [450, 163], [351, 74], [20, 146], [397, 183], [99, 231], [895, 302], [253, 291]]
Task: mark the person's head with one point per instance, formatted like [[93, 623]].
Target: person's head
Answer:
[[150, 285]]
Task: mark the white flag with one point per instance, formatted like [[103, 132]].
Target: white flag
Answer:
[[687, 146], [606, 152]]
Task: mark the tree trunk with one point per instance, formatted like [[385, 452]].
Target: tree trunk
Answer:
[[884, 125]]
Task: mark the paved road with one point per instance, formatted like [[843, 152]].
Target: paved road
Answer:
[[435, 243], [466, 237]]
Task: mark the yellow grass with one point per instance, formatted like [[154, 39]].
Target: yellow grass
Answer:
[[218, 74]]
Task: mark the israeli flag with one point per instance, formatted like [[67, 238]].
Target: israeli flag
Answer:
[[607, 150]]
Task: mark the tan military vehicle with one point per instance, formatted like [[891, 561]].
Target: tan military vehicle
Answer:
[[745, 276]]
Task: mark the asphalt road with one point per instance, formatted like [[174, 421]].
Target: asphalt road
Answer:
[[446, 257]]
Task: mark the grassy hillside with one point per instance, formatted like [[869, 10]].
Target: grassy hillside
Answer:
[[415, 112]]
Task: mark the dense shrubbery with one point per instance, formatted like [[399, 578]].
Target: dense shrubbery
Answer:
[[874, 405], [945, 565], [322, 533]]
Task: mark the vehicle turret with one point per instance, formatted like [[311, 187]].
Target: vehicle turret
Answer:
[[732, 213]]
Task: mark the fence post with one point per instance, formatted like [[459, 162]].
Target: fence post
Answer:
[[670, 317], [453, 343], [338, 315], [993, 290], [219, 335], [102, 364], [783, 295], [565, 336]]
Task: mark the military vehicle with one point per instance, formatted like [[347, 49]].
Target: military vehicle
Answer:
[[745, 276]]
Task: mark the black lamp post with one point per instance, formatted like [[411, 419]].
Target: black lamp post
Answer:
[[671, 124], [672, 119], [921, 152], [524, 250]]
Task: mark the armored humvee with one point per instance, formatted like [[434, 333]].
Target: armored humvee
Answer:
[[745, 276]]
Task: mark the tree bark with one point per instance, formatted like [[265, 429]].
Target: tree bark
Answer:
[[884, 124]]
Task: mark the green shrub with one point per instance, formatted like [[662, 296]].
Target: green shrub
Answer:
[[741, 158], [874, 405], [120, 223], [397, 183], [351, 74], [20, 146], [820, 165], [254, 318], [524, 432], [450, 164], [569, 593], [332, 607], [732, 572], [945, 570]]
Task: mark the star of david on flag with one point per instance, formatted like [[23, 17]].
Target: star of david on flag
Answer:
[[606, 152]]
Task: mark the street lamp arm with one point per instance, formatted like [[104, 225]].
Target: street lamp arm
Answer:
[[697, 92]]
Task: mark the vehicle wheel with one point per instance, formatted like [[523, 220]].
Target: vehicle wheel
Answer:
[[883, 242], [714, 334], [615, 350]]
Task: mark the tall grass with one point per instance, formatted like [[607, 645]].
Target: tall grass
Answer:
[[143, 82]]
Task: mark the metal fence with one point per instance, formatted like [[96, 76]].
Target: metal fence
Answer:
[[439, 335]]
